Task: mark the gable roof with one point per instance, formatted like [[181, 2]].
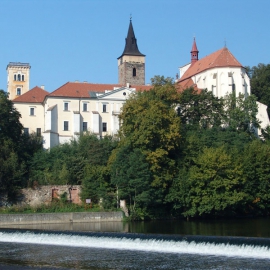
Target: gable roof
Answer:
[[220, 58], [35, 95], [83, 90]]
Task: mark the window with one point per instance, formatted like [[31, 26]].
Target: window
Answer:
[[26, 131], [104, 108], [84, 126], [32, 111], [22, 77], [134, 72], [19, 77], [38, 132], [65, 125], [85, 107], [65, 106], [104, 127], [19, 92], [15, 77]]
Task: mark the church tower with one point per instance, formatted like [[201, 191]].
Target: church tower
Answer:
[[194, 53], [131, 64], [18, 77]]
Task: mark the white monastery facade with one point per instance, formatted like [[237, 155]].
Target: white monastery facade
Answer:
[[221, 73]]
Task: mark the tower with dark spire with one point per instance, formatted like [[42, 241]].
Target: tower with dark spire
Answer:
[[131, 63], [194, 52]]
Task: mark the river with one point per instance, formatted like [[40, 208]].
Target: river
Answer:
[[215, 244]]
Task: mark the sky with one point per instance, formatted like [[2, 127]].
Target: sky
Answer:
[[69, 40]]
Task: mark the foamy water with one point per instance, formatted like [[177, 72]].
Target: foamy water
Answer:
[[138, 244]]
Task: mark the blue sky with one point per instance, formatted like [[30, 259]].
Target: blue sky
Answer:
[[68, 40]]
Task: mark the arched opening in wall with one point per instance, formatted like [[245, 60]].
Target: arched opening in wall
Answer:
[[19, 77], [134, 72]]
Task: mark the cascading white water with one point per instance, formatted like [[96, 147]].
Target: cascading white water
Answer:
[[150, 245]]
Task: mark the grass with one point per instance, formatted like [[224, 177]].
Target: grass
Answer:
[[54, 207]]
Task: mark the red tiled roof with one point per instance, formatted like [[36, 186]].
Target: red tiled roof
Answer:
[[35, 95], [220, 58], [186, 84], [194, 46], [77, 89]]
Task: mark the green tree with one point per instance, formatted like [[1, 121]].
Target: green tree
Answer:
[[260, 83], [212, 186], [150, 123], [200, 108], [241, 113]]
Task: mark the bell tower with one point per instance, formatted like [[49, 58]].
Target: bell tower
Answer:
[[18, 77], [131, 64], [194, 52]]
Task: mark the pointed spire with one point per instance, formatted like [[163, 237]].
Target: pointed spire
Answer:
[[194, 52], [131, 47]]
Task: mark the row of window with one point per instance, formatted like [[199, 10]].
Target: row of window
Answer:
[[85, 107], [18, 77], [66, 128], [84, 126], [38, 131]]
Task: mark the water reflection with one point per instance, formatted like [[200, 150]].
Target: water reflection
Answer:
[[256, 227]]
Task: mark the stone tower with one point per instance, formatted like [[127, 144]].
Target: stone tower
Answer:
[[131, 64], [18, 77]]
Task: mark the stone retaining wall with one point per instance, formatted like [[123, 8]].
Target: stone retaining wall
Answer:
[[6, 219]]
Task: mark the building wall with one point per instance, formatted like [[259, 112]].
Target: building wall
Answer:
[[32, 122], [220, 81], [45, 194]]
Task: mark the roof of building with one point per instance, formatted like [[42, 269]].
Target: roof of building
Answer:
[[18, 64], [83, 90], [35, 95], [220, 58], [131, 47], [194, 46]]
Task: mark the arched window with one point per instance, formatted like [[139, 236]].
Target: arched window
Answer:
[[19, 77], [23, 78], [134, 72], [15, 77]]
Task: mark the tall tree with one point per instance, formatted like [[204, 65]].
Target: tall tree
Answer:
[[260, 83]]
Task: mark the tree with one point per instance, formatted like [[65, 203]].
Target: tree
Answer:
[[150, 123], [241, 113], [203, 109], [212, 186], [10, 126], [260, 83]]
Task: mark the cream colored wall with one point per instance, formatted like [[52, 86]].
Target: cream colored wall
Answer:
[[131, 58], [12, 85], [31, 121]]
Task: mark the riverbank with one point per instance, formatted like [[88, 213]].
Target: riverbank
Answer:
[[56, 218]]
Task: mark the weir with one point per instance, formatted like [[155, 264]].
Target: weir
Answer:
[[217, 246]]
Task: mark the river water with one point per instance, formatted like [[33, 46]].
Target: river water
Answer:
[[221, 244]]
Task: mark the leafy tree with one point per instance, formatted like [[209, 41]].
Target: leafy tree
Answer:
[[150, 123], [202, 108], [260, 83], [241, 113], [212, 186], [10, 126], [256, 164], [131, 175]]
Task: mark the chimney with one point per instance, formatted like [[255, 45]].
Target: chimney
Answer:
[[42, 87]]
